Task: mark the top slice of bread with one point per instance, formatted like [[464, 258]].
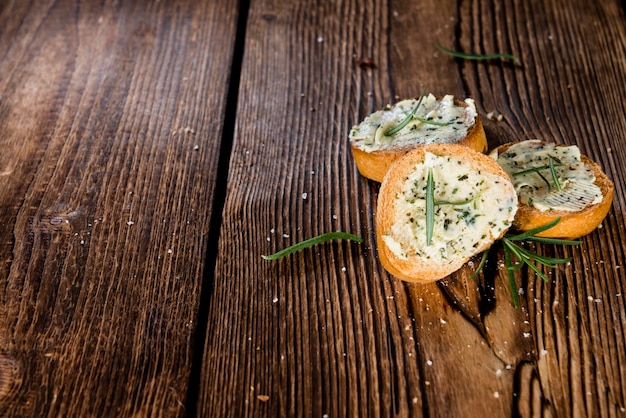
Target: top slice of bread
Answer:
[[374, 163], [573, 224], [475, 203]]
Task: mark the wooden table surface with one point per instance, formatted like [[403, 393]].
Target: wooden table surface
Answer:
[[152, 151]]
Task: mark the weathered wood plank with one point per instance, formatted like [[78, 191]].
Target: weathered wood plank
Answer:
[[111, 116], [327, 331]]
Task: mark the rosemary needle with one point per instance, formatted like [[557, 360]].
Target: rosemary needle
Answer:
[[469, 56], [431, 203], [530, 235], [536, 169], [407, 119], [311, 242], [555, 177], [509, 271], [481, 265], [430, 206]]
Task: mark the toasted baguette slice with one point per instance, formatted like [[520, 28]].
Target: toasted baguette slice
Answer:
[[474, 205], [582, 203], [375, 149]]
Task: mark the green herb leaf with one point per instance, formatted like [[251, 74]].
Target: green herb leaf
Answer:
[[311, 242], [528, 258], [430, 206], [525, 257], [445, 202], [478, 57], [511, 275], [529, 234], [557, 241], [555, 176], [460, 203], [407, 119], [535, 169], [432, 122], [481, 265]]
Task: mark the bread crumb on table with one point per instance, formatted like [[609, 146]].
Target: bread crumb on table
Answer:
[[495, 116]]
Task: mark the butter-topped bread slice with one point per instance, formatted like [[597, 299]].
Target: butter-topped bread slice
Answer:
[[556, 181], [438, 206], [389, 133]]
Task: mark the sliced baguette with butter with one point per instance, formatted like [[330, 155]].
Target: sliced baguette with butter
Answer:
[[439, 205], [385, 135], [555, 181]]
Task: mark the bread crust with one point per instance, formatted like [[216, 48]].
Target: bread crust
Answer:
[[374, 165], [572, 224], [415, 269]]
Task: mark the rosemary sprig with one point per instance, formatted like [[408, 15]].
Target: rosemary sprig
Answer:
[[311, 242], [430, 206], [526, 257], [407, 119], [478, 57]]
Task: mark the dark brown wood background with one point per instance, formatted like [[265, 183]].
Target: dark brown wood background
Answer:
[[151, 152]]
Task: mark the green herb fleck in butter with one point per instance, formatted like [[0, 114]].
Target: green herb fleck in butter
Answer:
[[537, 187], [435, 120]]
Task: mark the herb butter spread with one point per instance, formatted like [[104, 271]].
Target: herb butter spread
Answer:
[[471, 208], [550, 177], [434, 120]]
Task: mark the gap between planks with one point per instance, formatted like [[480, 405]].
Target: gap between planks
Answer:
[[215, 224]]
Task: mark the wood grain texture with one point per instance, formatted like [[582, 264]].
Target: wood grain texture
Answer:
[[327, 331], [111, 116], [115, 125]]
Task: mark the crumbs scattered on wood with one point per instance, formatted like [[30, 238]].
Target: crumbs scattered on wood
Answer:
[[188, 130], [365, 63], [263, 398], [495, 116]]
